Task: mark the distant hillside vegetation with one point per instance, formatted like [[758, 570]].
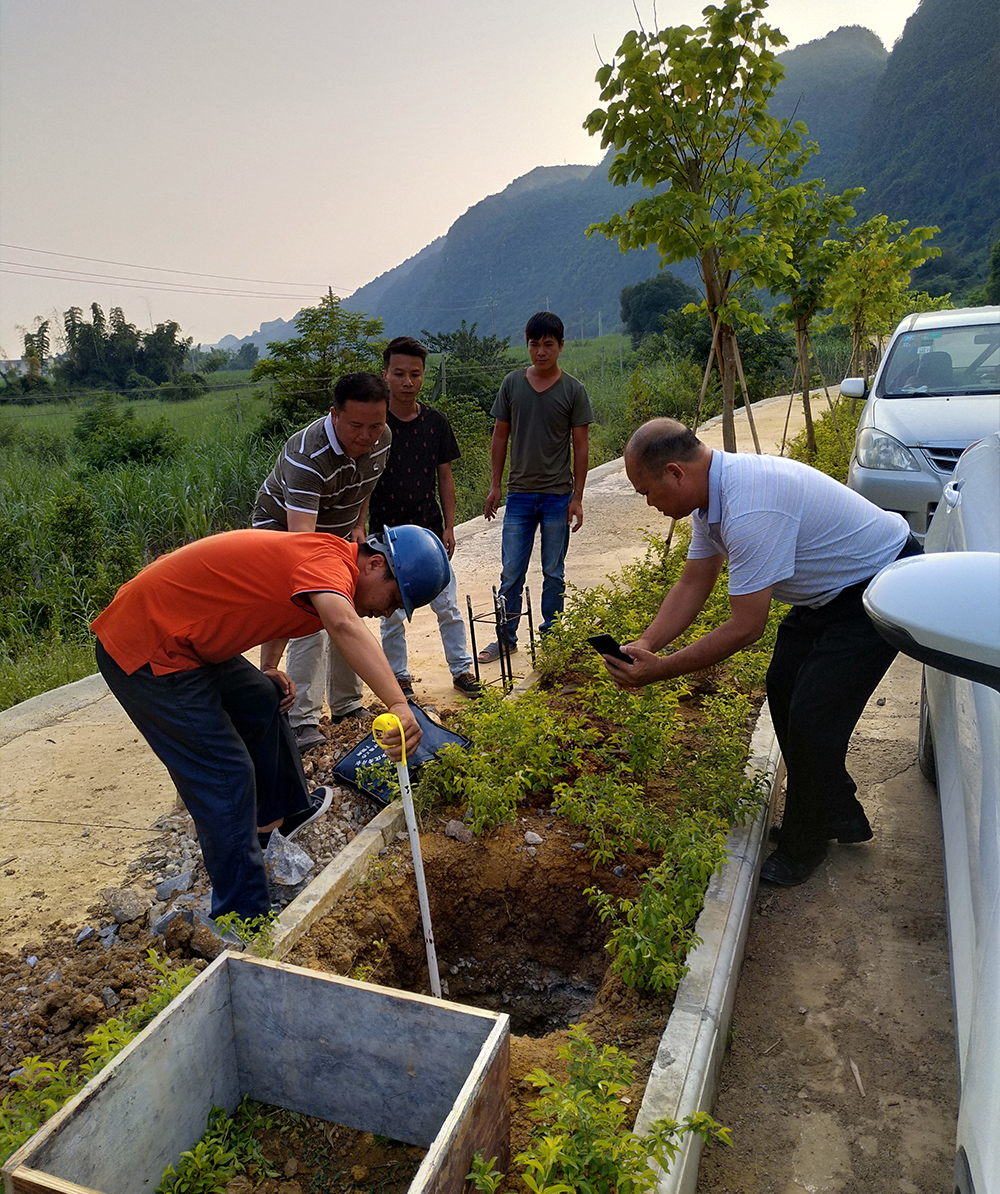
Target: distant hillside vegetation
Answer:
[[525, 247], [919, 128], [513, 254], [929, 148], [829, 84]]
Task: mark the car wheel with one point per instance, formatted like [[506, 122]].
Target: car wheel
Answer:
[[925, 743]]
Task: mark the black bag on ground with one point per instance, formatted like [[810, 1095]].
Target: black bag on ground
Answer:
[[368, 752]]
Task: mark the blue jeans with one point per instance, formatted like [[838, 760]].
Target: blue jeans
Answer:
[[231, 755], [450, 624], [525, 512]]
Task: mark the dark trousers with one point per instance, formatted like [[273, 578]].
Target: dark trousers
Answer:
[[232, 758], [827, 662]]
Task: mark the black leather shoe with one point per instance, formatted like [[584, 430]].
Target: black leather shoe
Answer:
[[784, 872], [852, 829], [847, 832]]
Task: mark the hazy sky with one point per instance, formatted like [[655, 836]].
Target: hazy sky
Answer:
[[307, 144]]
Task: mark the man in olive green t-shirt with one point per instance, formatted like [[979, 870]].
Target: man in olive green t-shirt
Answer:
[[541, 412]]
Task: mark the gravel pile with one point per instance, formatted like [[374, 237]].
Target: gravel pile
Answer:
[[172, 873]]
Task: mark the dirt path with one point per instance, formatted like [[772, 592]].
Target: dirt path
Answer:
[[851, 967]]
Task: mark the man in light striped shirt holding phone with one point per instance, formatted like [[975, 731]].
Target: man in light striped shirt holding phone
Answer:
[[791, 533]]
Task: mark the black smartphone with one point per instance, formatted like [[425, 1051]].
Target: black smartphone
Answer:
[[604, 644]]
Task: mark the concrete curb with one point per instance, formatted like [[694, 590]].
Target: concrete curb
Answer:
[[40, 711], [336, 878], [685, 1073]]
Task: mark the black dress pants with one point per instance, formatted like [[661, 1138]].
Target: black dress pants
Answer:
[[827, 662]]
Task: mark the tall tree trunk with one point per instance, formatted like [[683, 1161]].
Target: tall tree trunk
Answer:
[[727, 363], [802, 348], [715, 296]]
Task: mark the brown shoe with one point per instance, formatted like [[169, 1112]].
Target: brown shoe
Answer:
[[467, 684]]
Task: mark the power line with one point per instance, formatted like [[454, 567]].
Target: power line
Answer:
[[161, 270], [56, 274]]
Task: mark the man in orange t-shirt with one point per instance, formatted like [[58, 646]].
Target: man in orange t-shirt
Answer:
[[170, 646]]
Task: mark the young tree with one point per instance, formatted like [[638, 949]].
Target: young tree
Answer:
[[869, 285], [816, 251], [330, 343], [474, 366], [245, 357], [687, 114]]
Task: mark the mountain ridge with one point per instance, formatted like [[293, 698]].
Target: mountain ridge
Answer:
[[524, 247]]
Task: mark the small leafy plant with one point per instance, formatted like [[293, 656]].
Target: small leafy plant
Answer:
[[42, 1088], [364, 972], [652, 935], [256, 935], [581, 1144], [228, 1147], [380, 776]]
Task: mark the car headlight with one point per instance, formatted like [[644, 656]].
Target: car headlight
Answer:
[[875, 449]]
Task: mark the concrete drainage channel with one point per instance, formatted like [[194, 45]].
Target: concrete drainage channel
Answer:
[[688, 1061]]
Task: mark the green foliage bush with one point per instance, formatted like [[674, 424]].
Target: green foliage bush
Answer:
[[47, 447], [185, 387], [581, 1144], [593, 767], [669, 385], [835, 432], [110, 435], [767, 356]]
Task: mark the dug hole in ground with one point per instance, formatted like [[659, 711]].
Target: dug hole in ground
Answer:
[[840, 1072]]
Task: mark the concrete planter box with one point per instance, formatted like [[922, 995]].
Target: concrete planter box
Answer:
[[406, 1066]]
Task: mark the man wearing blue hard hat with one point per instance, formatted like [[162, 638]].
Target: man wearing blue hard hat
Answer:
[[171, 645]]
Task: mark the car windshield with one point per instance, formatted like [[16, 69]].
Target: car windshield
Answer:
[[943, 361]]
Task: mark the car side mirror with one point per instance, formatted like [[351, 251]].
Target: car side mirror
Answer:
[[942, 609], [852, 387]]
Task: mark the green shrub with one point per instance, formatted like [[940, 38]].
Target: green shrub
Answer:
[[581, 1144], [155, 443], [138, 382], [46, 447], [592, 768], [183, 389], [835, 431]]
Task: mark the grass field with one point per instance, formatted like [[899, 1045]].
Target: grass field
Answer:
[[72, 533]]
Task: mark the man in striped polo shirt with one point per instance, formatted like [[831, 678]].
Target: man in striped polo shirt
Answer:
[[792, 533], [322, 481]]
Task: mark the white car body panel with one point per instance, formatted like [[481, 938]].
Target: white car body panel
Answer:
[[917, 597]]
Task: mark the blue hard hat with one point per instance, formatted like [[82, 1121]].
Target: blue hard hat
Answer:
[[419, 562]]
